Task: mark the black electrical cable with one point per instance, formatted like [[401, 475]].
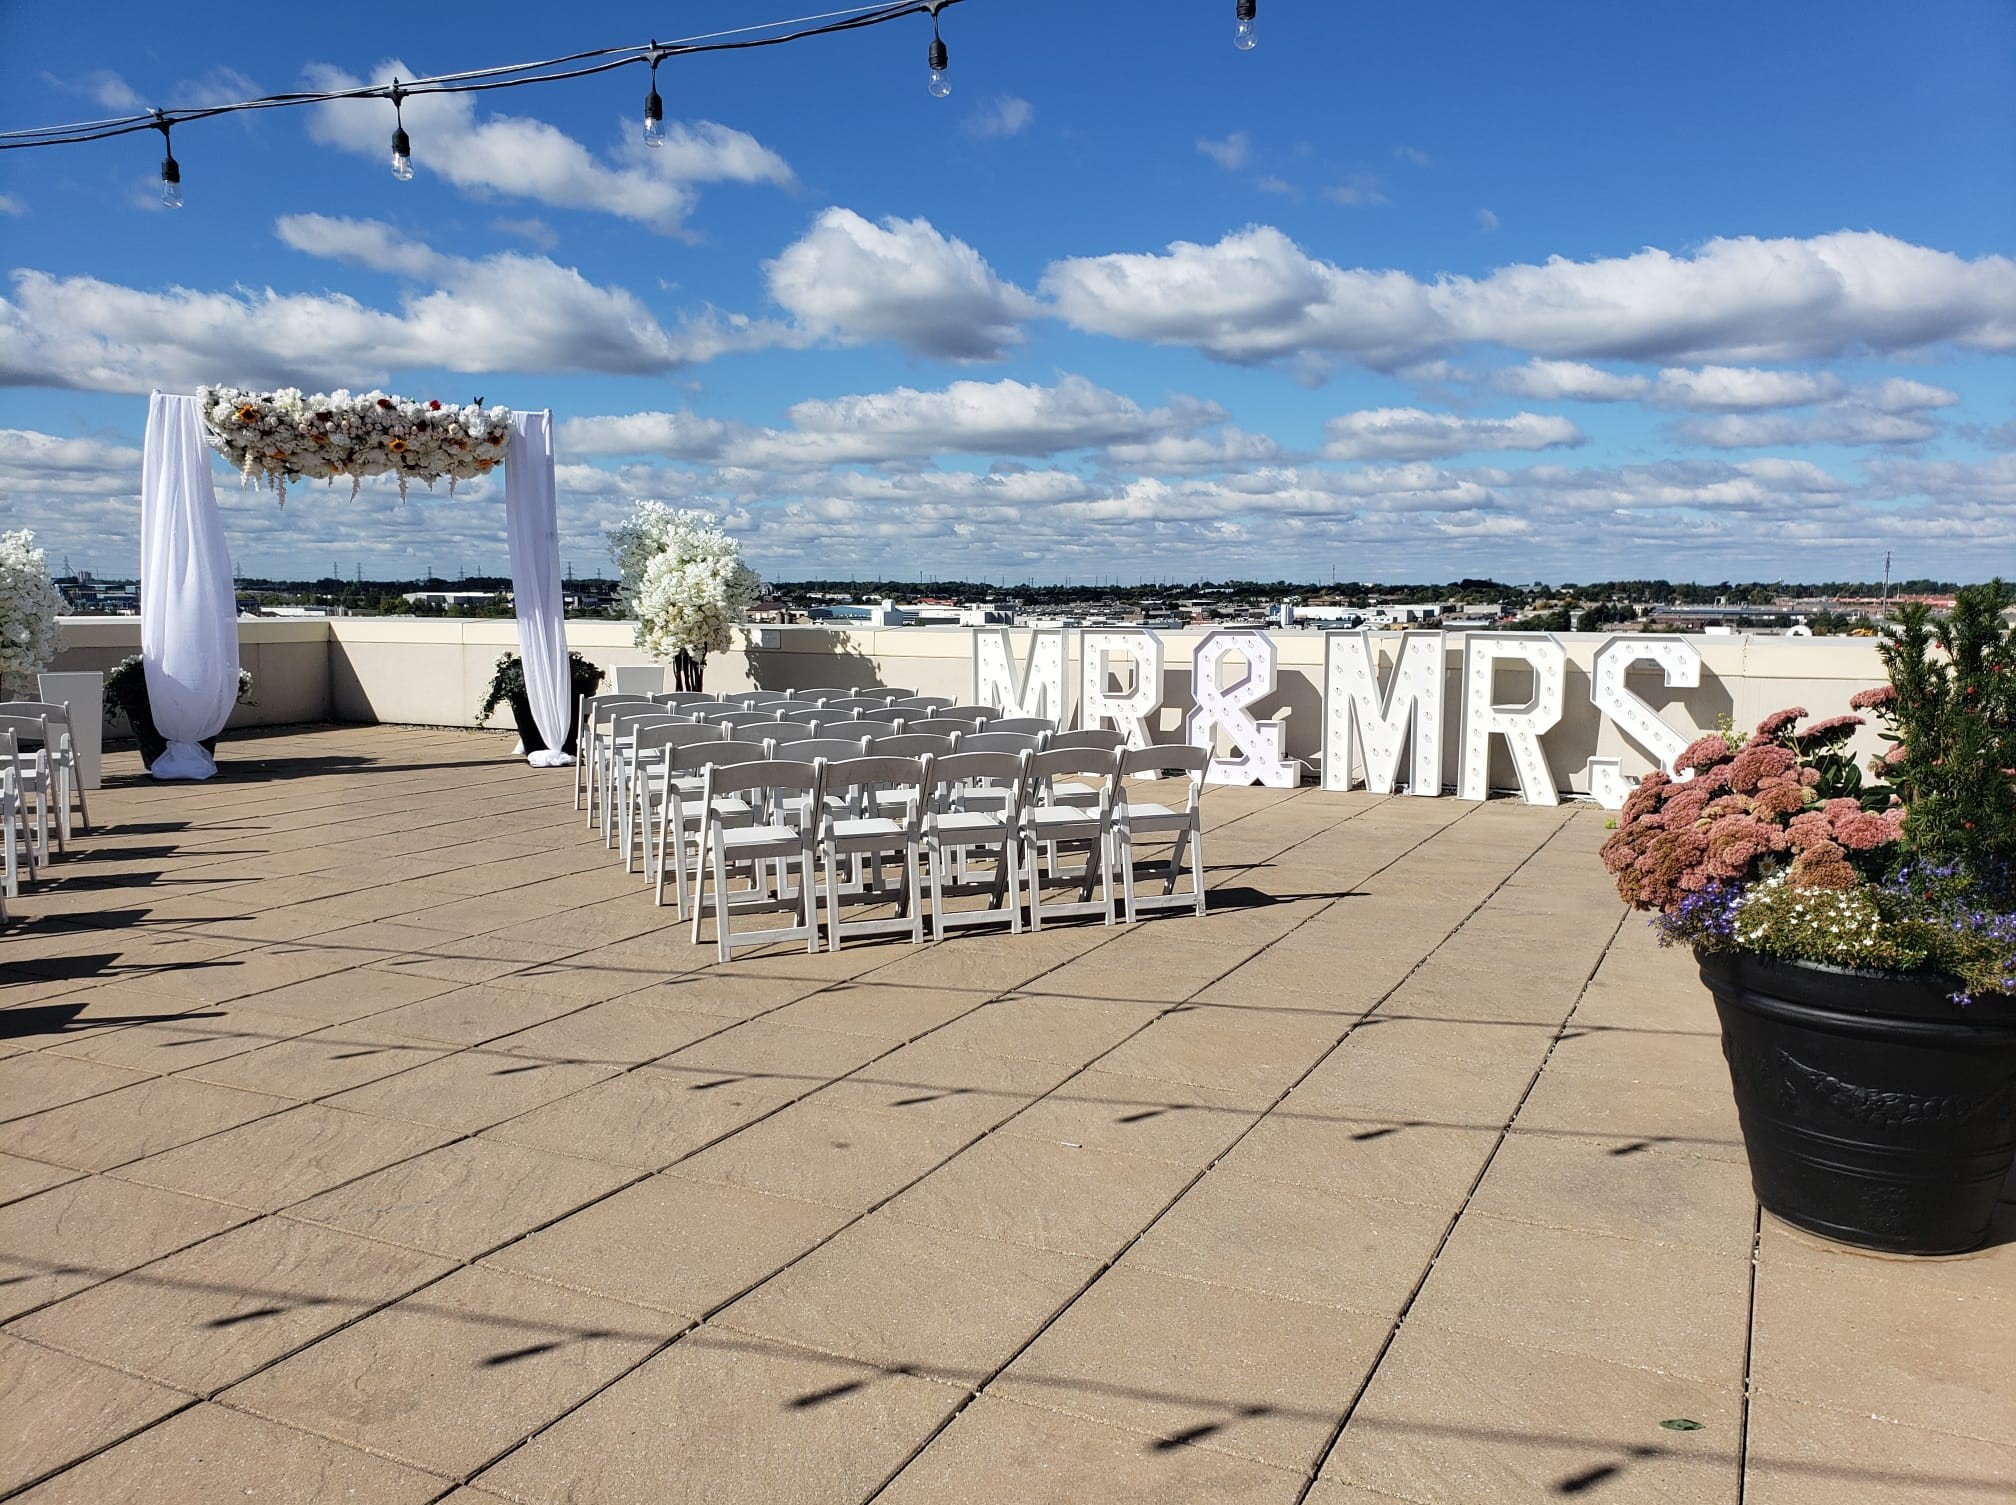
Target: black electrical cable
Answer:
[[482, 80]]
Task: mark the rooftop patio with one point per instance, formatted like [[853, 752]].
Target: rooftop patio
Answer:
[[369, 1134]]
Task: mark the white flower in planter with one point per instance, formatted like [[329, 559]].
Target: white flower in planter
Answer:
[[683, 577], [29, 605]]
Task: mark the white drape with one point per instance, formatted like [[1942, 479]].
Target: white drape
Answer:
[[188, 604], [533, 527]]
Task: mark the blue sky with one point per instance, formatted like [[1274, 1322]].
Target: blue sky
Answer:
[[1405, 292]]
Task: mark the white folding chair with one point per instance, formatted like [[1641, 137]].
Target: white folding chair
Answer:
[[820, 693], [10, 861], [853, 784], [29, 769], [1050, 826], [592, 718], [679, 699], [807, 715], [638, 679], [968, 713], [61, 746], [615, 751], [760, 699], [951, 829], [934, 726], [859, 705], [776, 786], [649, 744], [1133, 819], [920, 705], [681, 777]]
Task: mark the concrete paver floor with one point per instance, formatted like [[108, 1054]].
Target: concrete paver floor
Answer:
[[368, 1134]]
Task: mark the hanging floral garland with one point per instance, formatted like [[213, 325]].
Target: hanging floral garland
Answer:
[[287, 435]]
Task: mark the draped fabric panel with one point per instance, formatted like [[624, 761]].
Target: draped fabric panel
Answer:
[[533, 527], [188, 602]]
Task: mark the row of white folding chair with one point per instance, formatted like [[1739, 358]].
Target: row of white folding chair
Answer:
[[838, 797], [57, 738], [28, 770], [10, 861]]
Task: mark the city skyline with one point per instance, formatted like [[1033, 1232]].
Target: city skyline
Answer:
[[1411, 296]]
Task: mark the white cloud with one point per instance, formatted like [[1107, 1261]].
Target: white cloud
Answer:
[[505, 312], [966, 417], [1843, 423], [531, 229], [1233, 153], [518, 157], [102, 87], [1271, 184], [1256, 296], [1413, 156], [1004, 115], [1573, 381], [11, 205], [1731, 389], [1991, 481], [849, 281], [1487, 220], [1896, 395], [1362, 190], [1414, 434]]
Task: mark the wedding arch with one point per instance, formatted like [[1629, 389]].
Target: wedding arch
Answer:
[[188, 600]]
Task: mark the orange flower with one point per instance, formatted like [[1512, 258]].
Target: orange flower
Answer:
[[397, 446], [248, 413]]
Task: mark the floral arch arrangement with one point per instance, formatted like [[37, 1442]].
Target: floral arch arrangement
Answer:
[[290, 435]]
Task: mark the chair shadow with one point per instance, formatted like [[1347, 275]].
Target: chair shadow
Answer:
[[58, 1019]]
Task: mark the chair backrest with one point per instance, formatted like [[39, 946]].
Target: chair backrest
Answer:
[[776, 775], [1175, 757], [1102, 763], [638, 679], [805, 715], [935, 727], [50, 710], [821, 692], [763, 699], [739, 718], [920, 703], [858, 702], [1098, 736], [971, 712], [596, 708], [914, 745], [697, 755], [870, 726], [684, 698], [875, 771], [622, 720], [1000, 742], [806, 749], [25, 728], [1000, 770], [1022, 724], [651, 735]]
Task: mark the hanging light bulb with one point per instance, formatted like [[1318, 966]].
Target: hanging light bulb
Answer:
[[1245, 36], [402, 144], [939, 85], [654, 106], [171, 170]]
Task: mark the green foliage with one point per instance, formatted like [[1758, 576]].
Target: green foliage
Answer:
[[1953, 720], [508, 679]]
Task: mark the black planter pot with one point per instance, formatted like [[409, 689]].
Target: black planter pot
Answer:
[[528, 729], [1875, 1110], [151, 743]]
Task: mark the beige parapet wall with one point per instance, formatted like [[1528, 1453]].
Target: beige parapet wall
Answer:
[[432, 672]]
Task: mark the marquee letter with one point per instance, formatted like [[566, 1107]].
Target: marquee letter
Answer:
[[1680, 661], [1520, 726], [1362, 724], [1130, 709], [1037, 689], [1222, 708]]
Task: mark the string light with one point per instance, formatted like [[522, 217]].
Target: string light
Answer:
[[654, 106], [938, 85], [171, 170], [1246, 35], [402, 144]]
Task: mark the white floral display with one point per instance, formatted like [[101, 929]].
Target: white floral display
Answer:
[[29, 604], [289, 435], [683, 577]]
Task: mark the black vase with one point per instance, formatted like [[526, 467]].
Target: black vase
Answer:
[[528, 729], [1875, 1110]]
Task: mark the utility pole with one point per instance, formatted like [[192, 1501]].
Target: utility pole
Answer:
[[1886, 580]]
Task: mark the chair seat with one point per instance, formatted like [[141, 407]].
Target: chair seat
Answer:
[[1149, 817], [867, 827], [1066, 792], [1049, 822], [761, 839]]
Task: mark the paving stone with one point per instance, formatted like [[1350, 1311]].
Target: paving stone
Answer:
[[453, 1375], [471, 1089], [29, 1083], [152, 1115], [60, 1408], [818, 1152], [320, 1063], [998, 1452], [463, 1199], [647, 1118], [1813, 1455], [275, 1162], [212, 1314], [722, 1419]]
